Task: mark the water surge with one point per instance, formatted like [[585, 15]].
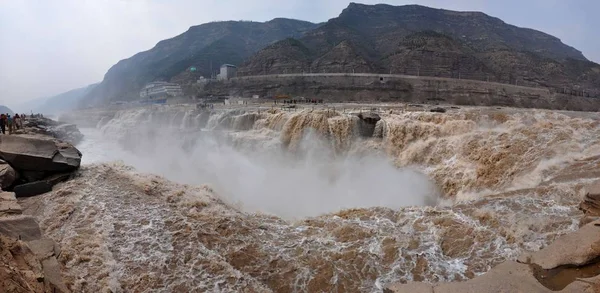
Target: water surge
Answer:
[[266, 200]]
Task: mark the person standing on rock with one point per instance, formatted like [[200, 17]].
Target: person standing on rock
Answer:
[[17, 120], [3, 123], [9, 121]]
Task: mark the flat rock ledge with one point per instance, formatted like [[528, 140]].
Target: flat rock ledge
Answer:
[[32, 164]]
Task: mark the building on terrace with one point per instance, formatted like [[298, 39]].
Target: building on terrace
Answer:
[[160, 89], [227, 71]]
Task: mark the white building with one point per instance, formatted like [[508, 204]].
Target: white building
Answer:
[[227, 71], [236, 101], [160, 89]]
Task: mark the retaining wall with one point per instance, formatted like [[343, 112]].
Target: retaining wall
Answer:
[[364, 87]]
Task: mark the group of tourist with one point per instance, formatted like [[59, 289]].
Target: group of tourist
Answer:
[[10, 122], [301, 101]]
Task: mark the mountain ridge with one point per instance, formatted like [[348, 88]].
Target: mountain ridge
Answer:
[[354, 8], [124, 79], [57, 104], [418, 40], [362, 38]]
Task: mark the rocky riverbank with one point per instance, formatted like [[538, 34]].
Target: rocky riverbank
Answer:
[[32, 161]]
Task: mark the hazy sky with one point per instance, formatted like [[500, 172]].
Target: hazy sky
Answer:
[[51, 46]]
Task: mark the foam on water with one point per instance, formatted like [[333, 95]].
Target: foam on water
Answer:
[[132, 232]]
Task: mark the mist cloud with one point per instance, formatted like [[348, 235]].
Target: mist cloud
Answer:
[[263, 177]]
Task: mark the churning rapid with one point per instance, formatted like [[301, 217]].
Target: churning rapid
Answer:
[[266, 200]]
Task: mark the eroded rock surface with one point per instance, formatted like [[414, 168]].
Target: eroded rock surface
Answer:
[[27, 261], [20, 271]]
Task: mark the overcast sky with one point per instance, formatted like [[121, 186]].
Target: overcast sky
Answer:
[[51, 46]]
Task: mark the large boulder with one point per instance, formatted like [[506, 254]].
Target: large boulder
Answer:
[[33, 188], [41, 186], [35, 154], [367, 123], [7, 175], [438, 110], [369, 117]]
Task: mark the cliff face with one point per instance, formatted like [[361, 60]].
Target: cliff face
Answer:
[[480, 31], [434, 54], [344, 57], [288, 54]]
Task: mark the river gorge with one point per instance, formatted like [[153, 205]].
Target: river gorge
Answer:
[[326, 199]]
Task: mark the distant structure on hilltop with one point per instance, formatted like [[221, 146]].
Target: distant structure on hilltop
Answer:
[[227, 71], [160, 89]]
